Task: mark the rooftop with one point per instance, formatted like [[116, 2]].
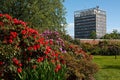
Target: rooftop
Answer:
[[90, 11]]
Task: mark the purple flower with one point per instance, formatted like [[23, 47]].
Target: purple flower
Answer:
[[62, 50]]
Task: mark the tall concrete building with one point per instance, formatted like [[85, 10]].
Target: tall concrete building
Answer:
[[89, 21]]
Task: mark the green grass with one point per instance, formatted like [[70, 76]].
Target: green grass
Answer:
[[109, 67]]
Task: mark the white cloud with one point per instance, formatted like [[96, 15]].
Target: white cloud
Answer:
[[109, 30], [70, 29]]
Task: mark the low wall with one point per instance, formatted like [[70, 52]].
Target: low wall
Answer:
[[96, 41]]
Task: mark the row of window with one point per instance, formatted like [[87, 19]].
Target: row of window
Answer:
[[85, 17], [86, 29], [85, 26], [89, 19], [86, 23], [84, 32]]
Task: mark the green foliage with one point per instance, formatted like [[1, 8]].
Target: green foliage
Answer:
[[80, 69], [109, 48], [78, 63], [40, 13], [93, 35], [70, 39], [42, 71], [103, 48], [114, 35], [89, 48]]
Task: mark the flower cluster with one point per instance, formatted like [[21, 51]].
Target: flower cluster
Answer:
[[54, 36], [30, 48], [58, 67], [77, 51]]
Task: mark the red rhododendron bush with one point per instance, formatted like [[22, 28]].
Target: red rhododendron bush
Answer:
[[25, 54]]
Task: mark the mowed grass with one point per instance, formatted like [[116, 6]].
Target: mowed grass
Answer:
[[109, 67]]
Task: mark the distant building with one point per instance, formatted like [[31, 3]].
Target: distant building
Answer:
[[88, 21]]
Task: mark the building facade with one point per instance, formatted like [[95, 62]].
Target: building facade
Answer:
[[89, 22]]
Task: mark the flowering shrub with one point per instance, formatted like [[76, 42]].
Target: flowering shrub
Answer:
[[21, 46], [56, 38], [79, 64], [27, 55], [79, 69]]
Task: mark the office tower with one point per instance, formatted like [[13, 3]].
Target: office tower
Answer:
[[89, 22]]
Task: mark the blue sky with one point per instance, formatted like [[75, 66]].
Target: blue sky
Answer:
[[112, 8]]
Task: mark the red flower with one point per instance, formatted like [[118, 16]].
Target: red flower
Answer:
[[30, 30], [41, 40], [56, 59], [23, 32], [10, 41], [51, 41], [34, 36], [1, 15], [8, 16], [29, 48], [19, 70], [48, 49], [29, 58], [62, 61], [15, 61], [58, 67], [1, 24], [46, 42], [46, 52], [23, 23], [20, 65], [13, 34], [1, 63], [10, 37], [56, 54], [40, 59], [34, 47], [37, 46], [16, 21]]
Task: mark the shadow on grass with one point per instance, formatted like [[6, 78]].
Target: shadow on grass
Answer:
[[111, 67]]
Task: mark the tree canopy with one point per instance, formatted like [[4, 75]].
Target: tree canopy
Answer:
[[114, 35], [93, 35], [40, 13]]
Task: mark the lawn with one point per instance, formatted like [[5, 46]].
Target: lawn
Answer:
[[109, 67]]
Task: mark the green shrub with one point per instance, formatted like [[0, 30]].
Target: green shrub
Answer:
[[79, 64], [80, 69], [87, 47], [102, 48], [43, 71]]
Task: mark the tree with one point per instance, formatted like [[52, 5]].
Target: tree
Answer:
[[114, 35], [93, 35], [40, 13]]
